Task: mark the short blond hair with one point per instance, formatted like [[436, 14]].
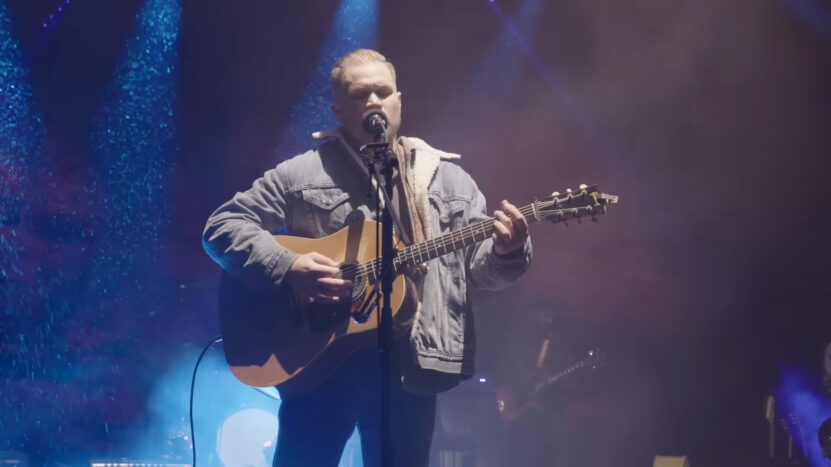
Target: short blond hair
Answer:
[[357, 57]]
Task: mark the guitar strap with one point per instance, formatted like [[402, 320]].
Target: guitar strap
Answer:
[[399, 205], [404, 207], [408, 185]]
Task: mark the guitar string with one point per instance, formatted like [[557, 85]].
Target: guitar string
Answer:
[[467, 233], [470, 232]]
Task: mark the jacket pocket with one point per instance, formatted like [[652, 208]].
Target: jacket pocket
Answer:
[[327, 208]]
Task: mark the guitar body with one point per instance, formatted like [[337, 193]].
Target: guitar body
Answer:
[[270, 338], [509, 408]]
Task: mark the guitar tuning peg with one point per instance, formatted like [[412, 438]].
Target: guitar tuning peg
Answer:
[[583, 186], [568, 190], [556, 193]]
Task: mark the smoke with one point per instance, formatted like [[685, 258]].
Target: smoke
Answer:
[[235, 425]]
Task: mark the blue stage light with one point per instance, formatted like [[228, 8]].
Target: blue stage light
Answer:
[[803, 408], [132, 140], [22, 135], [21, 127], [355, 26], [235, 424]]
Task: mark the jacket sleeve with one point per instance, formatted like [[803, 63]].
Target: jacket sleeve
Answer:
[[488, 270], [239, 234]]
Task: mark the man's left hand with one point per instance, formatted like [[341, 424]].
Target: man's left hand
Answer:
[[510, 229]]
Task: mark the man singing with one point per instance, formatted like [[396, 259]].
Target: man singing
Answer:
[[323, 190]]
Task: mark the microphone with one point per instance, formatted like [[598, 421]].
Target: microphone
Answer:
[[375, 122]]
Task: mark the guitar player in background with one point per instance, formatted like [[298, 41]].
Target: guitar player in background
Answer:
[[549, 377], [325, 189], [534, 423]]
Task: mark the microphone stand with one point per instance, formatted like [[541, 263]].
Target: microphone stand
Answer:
[[380, 151]]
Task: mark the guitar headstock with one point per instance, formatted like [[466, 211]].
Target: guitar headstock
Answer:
[[586, 201]]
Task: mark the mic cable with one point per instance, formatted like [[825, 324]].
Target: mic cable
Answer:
[[215, 340]]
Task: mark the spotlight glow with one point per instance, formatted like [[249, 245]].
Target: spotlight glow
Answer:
[[803, 408], [355, 26], [21, 142], [245, 437], [132, 137], [520, 37]]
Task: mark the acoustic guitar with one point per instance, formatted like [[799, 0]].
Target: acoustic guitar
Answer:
[[273, 338]]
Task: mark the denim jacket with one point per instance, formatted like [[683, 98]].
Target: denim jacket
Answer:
[[321, 191]]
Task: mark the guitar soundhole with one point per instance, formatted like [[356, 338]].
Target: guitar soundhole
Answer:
[[326, 317], [361, 305], [353, 272]]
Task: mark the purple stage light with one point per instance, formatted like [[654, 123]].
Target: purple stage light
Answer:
[[552, 78]]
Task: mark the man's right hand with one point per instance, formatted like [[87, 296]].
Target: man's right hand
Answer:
[[314, 278]]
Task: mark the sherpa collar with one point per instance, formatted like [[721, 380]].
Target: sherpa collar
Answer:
[[423, 158]]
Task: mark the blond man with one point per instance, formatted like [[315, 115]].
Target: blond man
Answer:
[[319, 192]]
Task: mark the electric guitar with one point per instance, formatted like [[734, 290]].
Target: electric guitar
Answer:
[[274, 338], [510, 407]]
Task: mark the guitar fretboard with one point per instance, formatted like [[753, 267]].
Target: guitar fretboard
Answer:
[[425, 251], [557, 208], [469, 235]]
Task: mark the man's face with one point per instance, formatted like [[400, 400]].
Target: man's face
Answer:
[[367, 86]]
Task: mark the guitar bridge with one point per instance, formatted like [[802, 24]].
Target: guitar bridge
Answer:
[[369, 305]]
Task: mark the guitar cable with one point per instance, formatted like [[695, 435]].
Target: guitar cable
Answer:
[[215, 340]]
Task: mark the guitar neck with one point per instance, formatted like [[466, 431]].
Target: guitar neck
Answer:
[[469, 235], [555, 208], [554, 378]]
